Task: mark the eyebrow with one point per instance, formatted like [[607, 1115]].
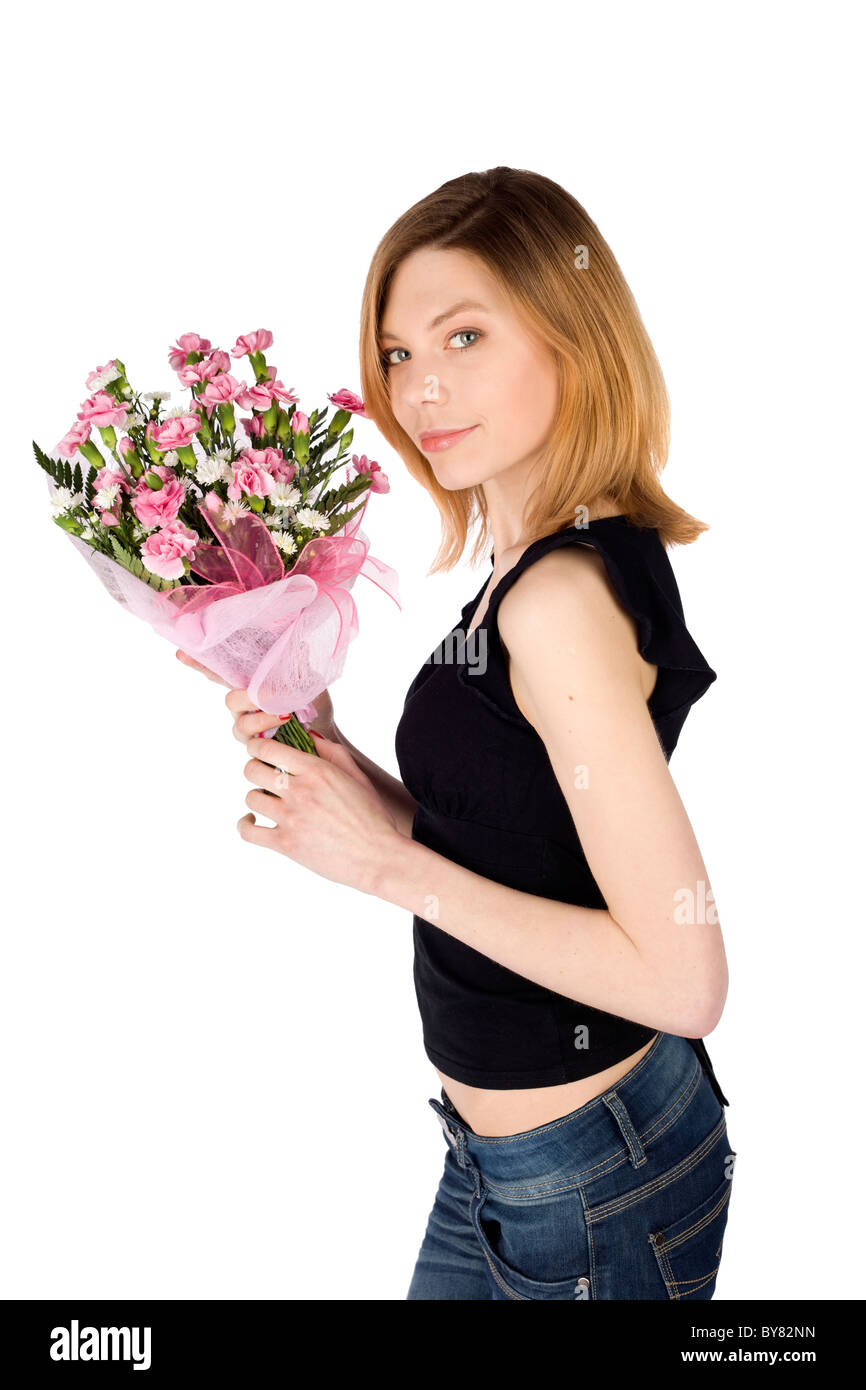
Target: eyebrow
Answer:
[[440, 318]]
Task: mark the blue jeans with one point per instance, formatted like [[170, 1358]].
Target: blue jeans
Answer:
[[625, 1198]]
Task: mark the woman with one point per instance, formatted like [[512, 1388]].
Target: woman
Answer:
[[568, 957]]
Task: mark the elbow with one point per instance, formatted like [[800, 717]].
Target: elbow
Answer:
[[690, 988], [703, 1009], [694, 998], [699, 1023]]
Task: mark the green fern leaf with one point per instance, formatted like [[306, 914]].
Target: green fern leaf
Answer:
[[133, 564], [88, 485], [54, 470]]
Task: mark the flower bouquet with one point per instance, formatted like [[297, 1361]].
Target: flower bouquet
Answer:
[[237, 547]]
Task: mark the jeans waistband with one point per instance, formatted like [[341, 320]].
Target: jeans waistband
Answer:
[[641, 1104]]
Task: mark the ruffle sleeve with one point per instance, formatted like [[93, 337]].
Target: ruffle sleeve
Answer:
[[643, 580]]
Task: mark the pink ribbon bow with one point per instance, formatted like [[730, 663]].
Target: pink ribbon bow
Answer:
[[265, 628]]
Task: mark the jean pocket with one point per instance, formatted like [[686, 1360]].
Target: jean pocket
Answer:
[[689, 1250], [529, 1245]]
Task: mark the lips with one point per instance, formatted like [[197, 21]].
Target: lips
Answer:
[[443, 439]]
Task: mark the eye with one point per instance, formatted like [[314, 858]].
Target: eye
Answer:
[[462, 333], [385, 359], [475, 333]]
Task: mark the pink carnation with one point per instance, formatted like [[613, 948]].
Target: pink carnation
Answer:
[[287, 394], [220, 389], [79, 434], [255, 426], [197, 372], [347, 400], [253, 342], [108, 477], [249, 477], [186, 343], [257, 397], [300, 423], [220, 359], [126, 445], [378, 480], [93, 377], [175, 432], [263, 393], [272, 461], [272, 458], [163, 552], [157, 507], [103, 410], [281, 470]]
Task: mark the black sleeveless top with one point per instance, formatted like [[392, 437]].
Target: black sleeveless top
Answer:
[[488, 799]]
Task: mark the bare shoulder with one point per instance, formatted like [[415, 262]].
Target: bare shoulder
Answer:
[[565, 583], [564, 603]]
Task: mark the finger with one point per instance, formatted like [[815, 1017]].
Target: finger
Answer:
[[280, 755], [332, 752], [187, 660], [239, 702], [254, 724], [256, 834], [263, 803], [272, 779]]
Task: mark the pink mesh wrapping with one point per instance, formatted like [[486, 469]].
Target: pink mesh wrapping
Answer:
[[280, 634]]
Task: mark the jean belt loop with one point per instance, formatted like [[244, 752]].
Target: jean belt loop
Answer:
[[459, 1145], [617, 1108], [454, 1135]]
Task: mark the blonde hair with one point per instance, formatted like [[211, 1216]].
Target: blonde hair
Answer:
[[612, 430]]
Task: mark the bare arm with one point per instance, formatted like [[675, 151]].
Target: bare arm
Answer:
[[645, 957]]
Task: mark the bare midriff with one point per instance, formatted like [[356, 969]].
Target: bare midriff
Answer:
[[495, 1113]]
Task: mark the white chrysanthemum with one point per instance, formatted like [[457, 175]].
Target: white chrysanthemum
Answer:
[[64, 499], [284, 495], [232, 510], [311, 520], [170, 458], [105, 498], [87, 532], [283, 541], [101, 380], [180, 410], [213, 470], [156, 396]]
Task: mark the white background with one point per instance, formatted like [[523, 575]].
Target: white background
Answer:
[[213, 1083]]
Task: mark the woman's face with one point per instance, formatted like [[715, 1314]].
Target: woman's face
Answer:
[[466, 368]]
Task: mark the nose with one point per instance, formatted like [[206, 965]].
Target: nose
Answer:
[[417, 385]]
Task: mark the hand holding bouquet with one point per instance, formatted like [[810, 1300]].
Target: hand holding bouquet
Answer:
[[193, 526]]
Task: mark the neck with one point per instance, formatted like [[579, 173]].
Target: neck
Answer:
[[506, 539]]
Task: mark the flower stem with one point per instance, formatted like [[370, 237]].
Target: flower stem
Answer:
[[293, 733]]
